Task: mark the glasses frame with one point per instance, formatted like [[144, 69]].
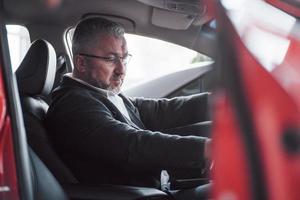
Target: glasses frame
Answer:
[[124, 60]]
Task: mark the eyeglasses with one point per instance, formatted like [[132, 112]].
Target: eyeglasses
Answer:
[[111, 59]]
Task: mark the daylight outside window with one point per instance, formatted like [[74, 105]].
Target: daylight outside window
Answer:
[[18, 43], [153, 58]]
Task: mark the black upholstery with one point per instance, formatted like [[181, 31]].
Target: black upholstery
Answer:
[[39, 64], [35, 78], [37, 67], [33, 114], [45, 186], [116, 192]]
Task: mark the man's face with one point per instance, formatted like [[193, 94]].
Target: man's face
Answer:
[[104, 73]]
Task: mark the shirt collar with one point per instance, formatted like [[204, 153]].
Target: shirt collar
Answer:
[[104, 92]]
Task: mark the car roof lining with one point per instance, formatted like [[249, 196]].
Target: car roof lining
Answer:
[[34, 15], [127, 23]]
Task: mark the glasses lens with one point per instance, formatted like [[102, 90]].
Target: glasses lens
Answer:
[[126, 59]]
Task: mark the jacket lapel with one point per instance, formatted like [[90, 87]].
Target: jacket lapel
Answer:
[[134, 120], [133, 112]]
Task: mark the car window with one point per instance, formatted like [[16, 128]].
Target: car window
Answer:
[[204, 83], [18, 42], [152, 58]]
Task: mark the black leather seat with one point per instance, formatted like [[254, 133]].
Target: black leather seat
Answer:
[[35, 78], [45, 185]]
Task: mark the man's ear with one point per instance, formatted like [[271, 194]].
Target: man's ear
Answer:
[[79, 63]]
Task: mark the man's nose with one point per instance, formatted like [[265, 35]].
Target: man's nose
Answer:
[[120, 67]]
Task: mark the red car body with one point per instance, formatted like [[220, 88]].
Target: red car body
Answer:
[[257, 113]]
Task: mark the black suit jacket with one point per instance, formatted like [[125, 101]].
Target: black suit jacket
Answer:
[[101, 146]]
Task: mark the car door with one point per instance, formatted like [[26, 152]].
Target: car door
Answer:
[[15, 176], [256, 134]]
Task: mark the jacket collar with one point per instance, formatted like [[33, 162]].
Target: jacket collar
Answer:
[[68, 83]]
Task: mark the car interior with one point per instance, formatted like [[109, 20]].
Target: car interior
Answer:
[[41, 59], [183, 22], [256, 106]]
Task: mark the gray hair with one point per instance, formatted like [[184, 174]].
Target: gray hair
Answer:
[[87, 29]]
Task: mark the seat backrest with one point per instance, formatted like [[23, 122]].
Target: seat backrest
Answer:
[[46, 186], [35, 77]]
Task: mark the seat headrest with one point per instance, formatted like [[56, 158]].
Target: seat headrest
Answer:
[[36, 72]]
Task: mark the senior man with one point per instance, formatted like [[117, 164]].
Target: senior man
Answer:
[[106, 137]]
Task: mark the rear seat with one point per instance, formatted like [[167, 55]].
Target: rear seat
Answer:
[[64, 66], [35, 78]]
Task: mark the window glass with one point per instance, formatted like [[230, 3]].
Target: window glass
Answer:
[[68, 41], [152, 58], [18, 43], [202, 84]]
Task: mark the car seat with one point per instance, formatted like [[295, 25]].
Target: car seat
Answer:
[[35, 77]]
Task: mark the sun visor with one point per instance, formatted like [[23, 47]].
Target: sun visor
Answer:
[[171, 20], [182, 6]]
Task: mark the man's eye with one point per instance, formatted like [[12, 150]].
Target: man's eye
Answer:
[[111, 59]]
